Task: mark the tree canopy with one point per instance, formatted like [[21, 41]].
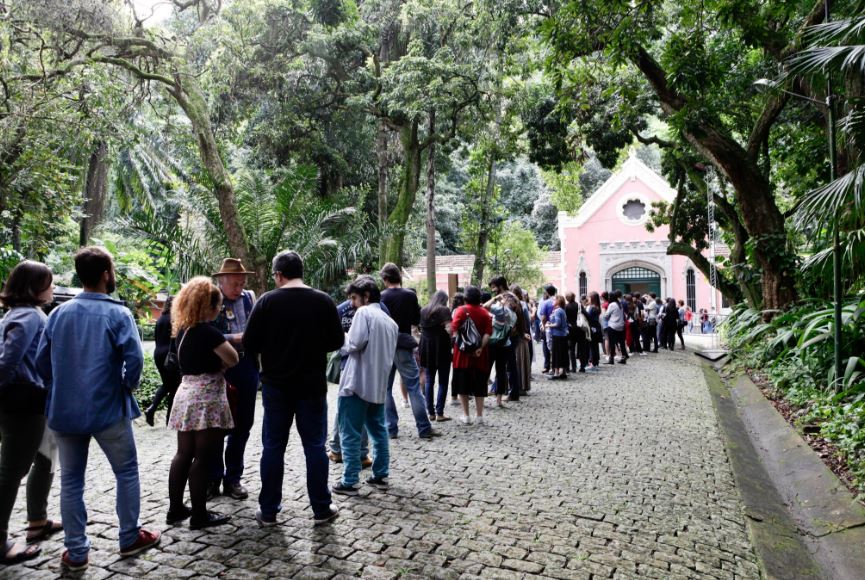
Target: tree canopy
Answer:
[[377, 130]]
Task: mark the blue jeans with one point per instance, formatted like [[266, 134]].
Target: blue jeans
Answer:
[[403, 361], [354, 414], [545, 346], [435, 402], [280, 411], [335, 444], [244, 376], [118, 445]]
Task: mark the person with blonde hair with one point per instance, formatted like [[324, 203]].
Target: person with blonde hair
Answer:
[[200, 413]]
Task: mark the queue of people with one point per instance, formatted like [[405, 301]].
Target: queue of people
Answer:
[[218, 344]]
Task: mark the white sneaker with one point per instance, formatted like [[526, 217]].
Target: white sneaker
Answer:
[[406, 404], [644, 353], [466, 420], [480, 421]]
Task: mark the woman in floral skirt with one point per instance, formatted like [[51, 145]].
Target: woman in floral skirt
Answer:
[[200, 413]]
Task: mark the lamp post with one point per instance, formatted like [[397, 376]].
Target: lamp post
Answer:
[[837, 286]]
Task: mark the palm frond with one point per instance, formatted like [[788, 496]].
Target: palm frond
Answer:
[[822, 207], [836, 31], [819, 59]]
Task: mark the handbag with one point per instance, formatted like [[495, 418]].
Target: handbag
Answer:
[[334, 372], [23, 397], [583, 324]]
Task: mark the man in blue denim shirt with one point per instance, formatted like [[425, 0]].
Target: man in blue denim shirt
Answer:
[[90, 359]]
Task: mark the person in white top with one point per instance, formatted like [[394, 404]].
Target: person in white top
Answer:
[[370, 345]]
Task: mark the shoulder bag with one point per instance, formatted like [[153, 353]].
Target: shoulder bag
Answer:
[[172, 359]]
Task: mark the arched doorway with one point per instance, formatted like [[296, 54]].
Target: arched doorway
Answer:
[[637, 279]]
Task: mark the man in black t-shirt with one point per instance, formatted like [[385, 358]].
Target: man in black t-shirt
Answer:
[[404, 309], [293, 328]]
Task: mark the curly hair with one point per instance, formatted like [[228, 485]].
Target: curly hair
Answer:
[[195, 303]]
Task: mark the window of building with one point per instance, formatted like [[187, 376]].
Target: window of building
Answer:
[[584, 284], [634, 210], [691, 285]]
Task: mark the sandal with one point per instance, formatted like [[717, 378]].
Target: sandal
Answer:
[[28, 553], [47, 529]]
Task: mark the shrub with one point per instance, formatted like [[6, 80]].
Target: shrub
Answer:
[[796, 353], [150, 382]]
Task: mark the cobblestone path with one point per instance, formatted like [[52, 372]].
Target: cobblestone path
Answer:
[[613, 475]]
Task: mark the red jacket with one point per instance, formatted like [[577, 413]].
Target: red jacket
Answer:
[[484, 323]]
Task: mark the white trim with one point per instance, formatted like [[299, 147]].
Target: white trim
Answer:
[[632, 170]]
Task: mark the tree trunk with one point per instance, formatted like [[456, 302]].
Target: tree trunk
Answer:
[[381, 153], [431, 210], [484, 231], [15, 230], [730, 290], [95, 188], [408, 186], [761, 216], [190, 98]]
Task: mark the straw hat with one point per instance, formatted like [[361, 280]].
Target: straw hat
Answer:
[[232, 266]]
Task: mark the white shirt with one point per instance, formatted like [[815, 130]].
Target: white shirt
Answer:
[[370, 345]]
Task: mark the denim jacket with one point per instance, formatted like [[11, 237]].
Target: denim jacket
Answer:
[[20, 331], [91, 360]]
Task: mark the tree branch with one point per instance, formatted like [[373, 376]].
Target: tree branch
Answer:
[[138, 72], [653, 140], [774, 105], [727, 288]]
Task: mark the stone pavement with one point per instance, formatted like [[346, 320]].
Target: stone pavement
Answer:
[[613, 475]]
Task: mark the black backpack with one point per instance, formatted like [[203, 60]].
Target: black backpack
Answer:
[[468, 337]]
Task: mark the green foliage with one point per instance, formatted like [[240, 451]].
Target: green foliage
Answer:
[[796, 353], [147, 331], [515, 254], [565, 186], [138, 279], [9, 258], [150, 382], [281, 210]]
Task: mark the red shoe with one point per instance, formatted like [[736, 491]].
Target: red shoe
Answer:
[[146, 539], [67, 563]]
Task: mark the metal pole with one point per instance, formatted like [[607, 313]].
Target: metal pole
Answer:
[[836, 244]]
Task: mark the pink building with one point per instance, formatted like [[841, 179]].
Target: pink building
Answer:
[[606, 246]]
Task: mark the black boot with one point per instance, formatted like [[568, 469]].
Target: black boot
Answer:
[[149, 415]]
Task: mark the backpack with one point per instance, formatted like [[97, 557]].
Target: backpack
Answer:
[[468, 337], [502, 326]]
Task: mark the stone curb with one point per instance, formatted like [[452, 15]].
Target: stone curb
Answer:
[[781, 550], [804, 522]]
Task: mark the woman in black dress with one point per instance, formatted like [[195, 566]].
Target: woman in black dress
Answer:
[[669, 325], [170, 377], [436, 352]]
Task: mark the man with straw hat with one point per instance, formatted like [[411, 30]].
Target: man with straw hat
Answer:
[[243, 379]]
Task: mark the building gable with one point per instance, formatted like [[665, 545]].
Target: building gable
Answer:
[[632, 170]]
